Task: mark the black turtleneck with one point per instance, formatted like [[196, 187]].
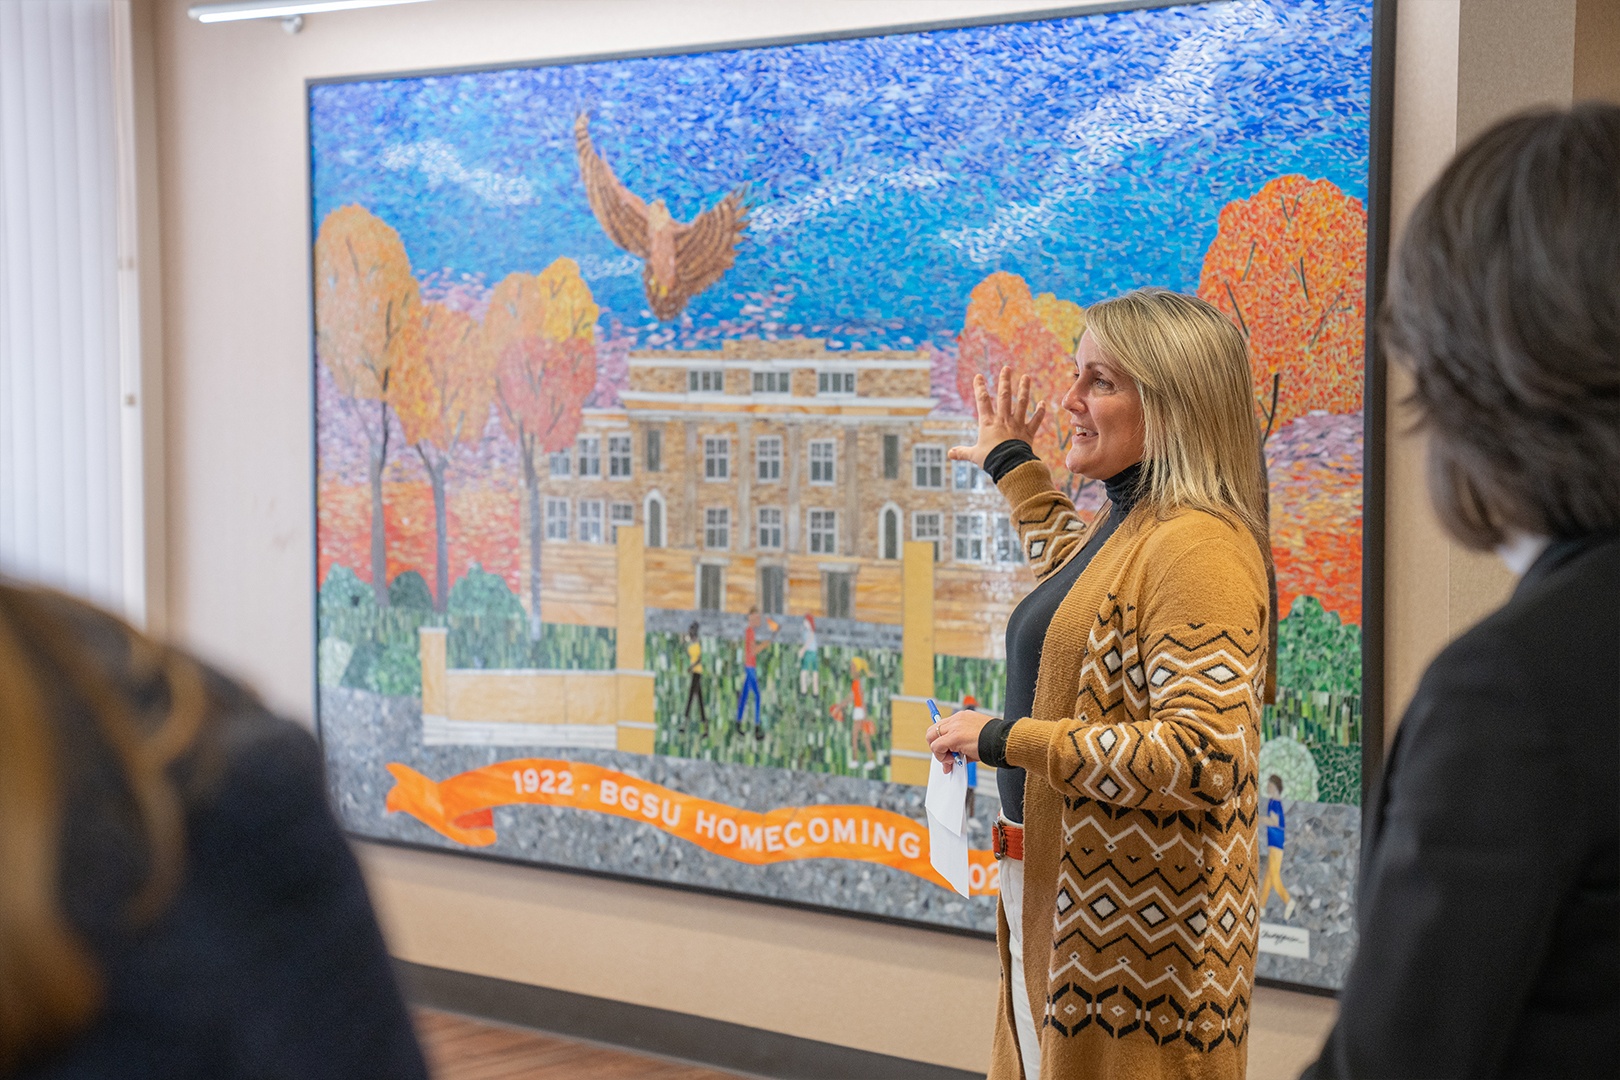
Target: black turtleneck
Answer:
[[1027, 626]]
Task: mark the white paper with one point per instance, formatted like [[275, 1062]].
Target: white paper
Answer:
[[947, 794], [948, 854], [946, 805]]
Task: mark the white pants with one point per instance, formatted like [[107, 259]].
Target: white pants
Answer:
[[1012, 900]]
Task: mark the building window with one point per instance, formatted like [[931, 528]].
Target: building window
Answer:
[[969, 536], [836, 594], [770, 528], [717, 458], [835, 382], [590, 521], [562, 465], [706, 381], [928, 466], [768, 459], [889, 533], [823, 461], [620, 514], [711, 587], [590, 455], [928, 525], [717, 528], [891, 457], [823, 532], [655, 450], [1008, 549], [969, 477], [556, 519], [619, 456], [655, 521], [772, 589], [771, 382]]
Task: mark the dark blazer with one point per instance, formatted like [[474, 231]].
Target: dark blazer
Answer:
[[268, 962], [1489, 914]]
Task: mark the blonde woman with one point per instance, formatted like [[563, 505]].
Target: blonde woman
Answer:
[[1136, 669]]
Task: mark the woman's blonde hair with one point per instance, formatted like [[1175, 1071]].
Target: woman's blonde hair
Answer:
[[50, 984], [1201, 445]]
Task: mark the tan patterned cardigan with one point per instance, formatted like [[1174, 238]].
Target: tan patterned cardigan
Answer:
[[1140, 809]]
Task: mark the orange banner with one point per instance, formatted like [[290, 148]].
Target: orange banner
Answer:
[[461, 806]]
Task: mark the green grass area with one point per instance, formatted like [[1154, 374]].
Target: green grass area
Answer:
[[800, 731], [376, 649]]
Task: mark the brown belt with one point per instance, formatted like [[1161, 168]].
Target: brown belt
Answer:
[[1007, 840]]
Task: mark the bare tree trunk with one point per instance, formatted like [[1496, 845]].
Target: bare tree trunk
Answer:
[[531, 481], [441, 562], [379, 533]]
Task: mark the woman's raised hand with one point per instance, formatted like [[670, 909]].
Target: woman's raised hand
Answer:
[[1001, 417]]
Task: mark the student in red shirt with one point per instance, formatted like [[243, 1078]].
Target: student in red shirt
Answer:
[[750, 675]]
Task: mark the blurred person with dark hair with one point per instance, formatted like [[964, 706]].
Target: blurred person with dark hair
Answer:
[[1489, 905], [176, 900]]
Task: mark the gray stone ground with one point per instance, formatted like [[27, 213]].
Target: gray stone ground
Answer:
[[1319, 869], [362, 732]]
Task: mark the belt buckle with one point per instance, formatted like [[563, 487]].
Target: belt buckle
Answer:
[[998, 840]]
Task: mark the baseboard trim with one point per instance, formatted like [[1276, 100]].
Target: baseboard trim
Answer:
[[697, 1039], [1297, 988]]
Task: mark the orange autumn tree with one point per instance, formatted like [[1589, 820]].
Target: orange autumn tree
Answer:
[[442, 396], [366, 328], [540, 335], [1289, 267], [1034, 335]]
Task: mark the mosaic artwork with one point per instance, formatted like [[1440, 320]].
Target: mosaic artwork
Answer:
[[639, 552]]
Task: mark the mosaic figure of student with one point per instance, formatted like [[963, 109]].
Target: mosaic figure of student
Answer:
[[750, 675], [809, 660], [694, 665], [1274, 848], [864, 729]]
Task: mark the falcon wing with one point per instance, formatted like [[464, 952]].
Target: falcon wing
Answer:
[[621, 213], [705, 249]]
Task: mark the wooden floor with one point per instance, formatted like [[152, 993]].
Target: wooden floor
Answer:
[[1286, 1032], [463, 1049]]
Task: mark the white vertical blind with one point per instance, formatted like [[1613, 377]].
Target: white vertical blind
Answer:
[[70, 500]]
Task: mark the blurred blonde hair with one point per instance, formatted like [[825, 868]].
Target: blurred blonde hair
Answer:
[[1201, 446], [50, 985]]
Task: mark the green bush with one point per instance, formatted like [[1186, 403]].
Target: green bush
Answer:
[[343, 591], [1316, 653], [1293, 764], [484, 594], [410, 592], [397, 670]]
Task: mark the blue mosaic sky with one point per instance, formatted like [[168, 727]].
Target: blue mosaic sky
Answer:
[[888, 175]]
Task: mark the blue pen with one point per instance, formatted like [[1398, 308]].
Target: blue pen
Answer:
[[933, 710]]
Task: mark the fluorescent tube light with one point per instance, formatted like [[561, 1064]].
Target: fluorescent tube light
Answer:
[[280, 9]]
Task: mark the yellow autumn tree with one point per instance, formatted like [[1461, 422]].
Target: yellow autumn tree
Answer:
[[540, 338], [442, 397], [367, 324], [1007, 325]]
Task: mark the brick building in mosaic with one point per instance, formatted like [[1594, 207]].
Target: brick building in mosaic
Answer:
[[785, 476]]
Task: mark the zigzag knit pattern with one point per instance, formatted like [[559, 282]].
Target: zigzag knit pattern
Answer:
[[1149, 741]]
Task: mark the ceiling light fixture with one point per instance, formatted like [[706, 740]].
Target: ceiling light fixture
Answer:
[[280, 9]]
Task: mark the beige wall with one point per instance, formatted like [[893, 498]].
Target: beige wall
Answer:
[[1460, 66], [225, 270], [1597, 50]]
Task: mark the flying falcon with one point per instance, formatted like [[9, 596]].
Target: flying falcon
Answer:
[[682, 258]]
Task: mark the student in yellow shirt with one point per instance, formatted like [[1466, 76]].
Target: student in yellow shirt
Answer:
[[694, 664]]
